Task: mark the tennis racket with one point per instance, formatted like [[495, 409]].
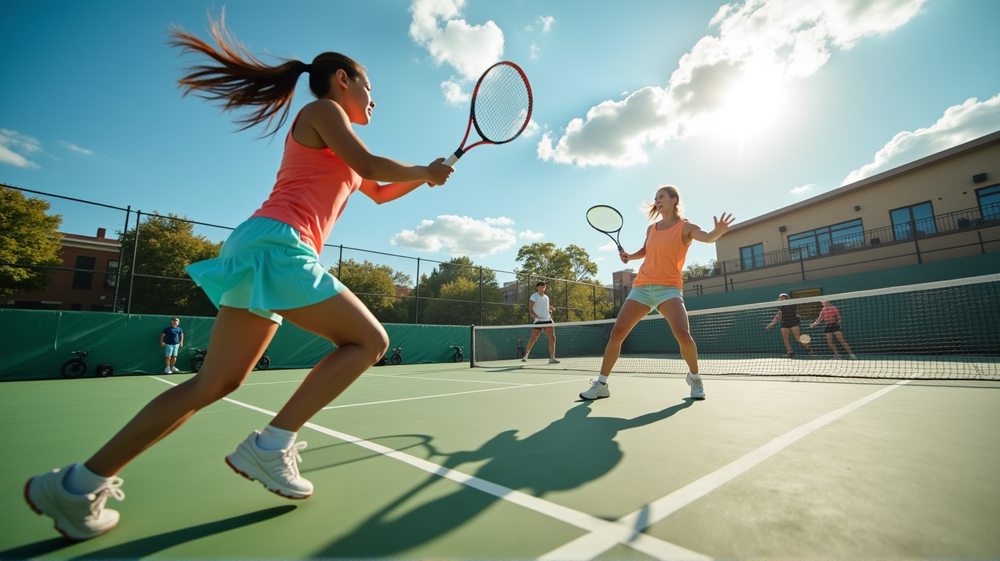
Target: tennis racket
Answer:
[[607, 220], [501, 107]]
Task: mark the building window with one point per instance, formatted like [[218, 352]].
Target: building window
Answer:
[[84, 276], [989, 202], [111, 278], [913, 220], [839, 237], [752, 256]]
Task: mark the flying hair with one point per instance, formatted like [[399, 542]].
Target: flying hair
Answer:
[[240, 80], [673, 193]]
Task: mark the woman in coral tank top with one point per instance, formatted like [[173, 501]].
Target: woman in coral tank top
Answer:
[[658, 285], [268, 269]]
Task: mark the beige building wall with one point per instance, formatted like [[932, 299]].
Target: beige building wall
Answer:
[[943, 179]]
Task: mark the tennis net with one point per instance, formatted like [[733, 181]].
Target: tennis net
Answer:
[[940, 330]]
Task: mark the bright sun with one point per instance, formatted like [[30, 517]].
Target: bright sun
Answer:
[[753, 106]]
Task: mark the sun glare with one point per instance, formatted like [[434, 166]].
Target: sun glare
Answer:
[[753, 107]]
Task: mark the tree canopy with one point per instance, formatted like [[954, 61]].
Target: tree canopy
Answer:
[[28, 236], [167, 244]]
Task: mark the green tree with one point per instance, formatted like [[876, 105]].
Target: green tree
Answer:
[[167, 244], [28, 236], [459, 267], [569, 273], [375, 285], [697, 270]]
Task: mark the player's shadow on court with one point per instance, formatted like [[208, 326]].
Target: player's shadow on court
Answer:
[[150, 545], [566, 454]]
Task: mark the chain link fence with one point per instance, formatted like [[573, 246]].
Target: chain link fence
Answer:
[[112, 259]]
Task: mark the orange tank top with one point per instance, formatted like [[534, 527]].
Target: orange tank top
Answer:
[[311, 191], [665, 254]]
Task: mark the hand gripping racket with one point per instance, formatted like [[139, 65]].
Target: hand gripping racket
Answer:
[[607, 220], [501, 107]]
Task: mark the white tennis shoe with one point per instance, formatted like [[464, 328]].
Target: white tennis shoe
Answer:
[[697, 389], [552, 360], [78, 517], [278, 470], [597, 391]]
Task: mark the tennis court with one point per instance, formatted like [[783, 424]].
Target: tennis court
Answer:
[[444, 461]]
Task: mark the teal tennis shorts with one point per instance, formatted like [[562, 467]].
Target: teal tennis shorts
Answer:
[[653, 295], [265, 266]]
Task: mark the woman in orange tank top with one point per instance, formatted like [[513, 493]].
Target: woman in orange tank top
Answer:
[[267, 269], [658, 285]]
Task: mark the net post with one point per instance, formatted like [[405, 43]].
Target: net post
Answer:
[[472, 346]]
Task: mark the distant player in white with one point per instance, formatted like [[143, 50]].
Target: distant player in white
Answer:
[[539, 309]]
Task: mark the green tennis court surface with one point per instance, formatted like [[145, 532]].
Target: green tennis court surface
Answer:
[[443, 461]]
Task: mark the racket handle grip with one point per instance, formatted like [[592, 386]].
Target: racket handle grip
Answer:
[[452, 159]]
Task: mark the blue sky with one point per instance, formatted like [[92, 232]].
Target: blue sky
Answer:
[[746, 107]]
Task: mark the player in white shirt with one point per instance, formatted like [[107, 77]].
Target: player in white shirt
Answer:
[[539, 310]]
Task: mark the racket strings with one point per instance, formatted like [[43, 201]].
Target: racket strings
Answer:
[[502, 104], [604, 218]]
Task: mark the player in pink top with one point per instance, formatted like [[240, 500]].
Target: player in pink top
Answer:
[[831, 316], [658, 285], [267, 269]]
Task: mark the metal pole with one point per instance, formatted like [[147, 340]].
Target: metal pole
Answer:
[[802, 264], [982, 248], [481, 322], [725, 281], [131, 269], [416, 301], [340, 264], [121, 257], [594, 298]]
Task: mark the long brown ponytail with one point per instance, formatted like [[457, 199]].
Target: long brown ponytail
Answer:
[[242, 80]]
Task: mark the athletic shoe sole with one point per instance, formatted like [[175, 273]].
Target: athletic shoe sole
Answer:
[[275, 491]]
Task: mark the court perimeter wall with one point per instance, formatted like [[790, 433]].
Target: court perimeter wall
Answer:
[[35, 343]]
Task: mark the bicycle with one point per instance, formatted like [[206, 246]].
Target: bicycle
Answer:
[[76, 367], [457, 357], [396, 357], [198, 359]]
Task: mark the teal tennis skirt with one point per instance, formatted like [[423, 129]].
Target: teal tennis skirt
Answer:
[[265, 266]]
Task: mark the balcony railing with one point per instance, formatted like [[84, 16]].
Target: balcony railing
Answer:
[[987, 215]]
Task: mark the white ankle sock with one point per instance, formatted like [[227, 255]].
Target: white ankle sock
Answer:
[[603, 379], [272, 438], [82, 481]]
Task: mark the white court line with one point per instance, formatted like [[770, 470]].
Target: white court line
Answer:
[[649, 545], [591, 545], [448, 394], [444, 379]]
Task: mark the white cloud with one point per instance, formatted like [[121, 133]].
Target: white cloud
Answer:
[[529, 235], [534, 51], [14, 146], [802, 189], [532, 129], [470, 49], [501, 221], [459, 235], [454, 94], [546, 22], [75, 148], [610, 246], [960, 123], [735, 75]]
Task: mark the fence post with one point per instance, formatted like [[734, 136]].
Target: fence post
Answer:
[[340, 263], [416, 298], [567, 301], [481, 322], [982, 247], [593, 298], [131, 269], [121, 257], [725, 281], [802, 264], [916, 244]]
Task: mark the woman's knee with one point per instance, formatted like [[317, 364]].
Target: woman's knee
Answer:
[[684, 337]]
